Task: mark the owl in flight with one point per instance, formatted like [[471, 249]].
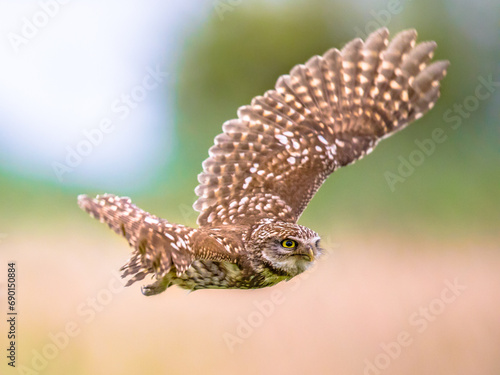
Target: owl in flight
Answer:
[[266, 166]]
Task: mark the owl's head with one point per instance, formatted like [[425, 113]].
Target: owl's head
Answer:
[[288, 247]]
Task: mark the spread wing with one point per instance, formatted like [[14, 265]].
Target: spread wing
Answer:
[[159, 246], [323, 115]]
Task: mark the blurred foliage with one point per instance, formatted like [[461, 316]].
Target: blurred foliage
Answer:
[[235, 56]]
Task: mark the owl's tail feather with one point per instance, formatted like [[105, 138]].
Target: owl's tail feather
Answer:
[[159, 245]]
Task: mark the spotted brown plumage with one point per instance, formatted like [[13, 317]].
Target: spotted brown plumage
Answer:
[[269, 162]]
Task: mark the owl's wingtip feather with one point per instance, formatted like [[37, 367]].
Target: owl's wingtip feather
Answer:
[[409, 32], [383, 31], [83, 201], [82, 197]]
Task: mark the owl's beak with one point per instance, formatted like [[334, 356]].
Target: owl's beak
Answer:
[[311, 253], [308, 254]]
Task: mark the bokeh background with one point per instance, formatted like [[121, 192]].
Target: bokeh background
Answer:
[[411, 280]]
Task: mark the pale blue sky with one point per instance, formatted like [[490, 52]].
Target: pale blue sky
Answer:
[[64, 68]]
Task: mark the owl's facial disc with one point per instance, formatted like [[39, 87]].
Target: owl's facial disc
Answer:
[[292, 254], [303, 251], [306, 250], [288, 247]]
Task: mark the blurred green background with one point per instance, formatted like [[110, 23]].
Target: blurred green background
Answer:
[[238, 51], [394, 246]]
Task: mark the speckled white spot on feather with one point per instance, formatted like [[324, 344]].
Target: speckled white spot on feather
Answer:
[[247, 182], [322, 139], [151, 220], [281, 138], [339, 143]]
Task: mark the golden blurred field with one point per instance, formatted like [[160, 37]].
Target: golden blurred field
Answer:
[[337, 318]]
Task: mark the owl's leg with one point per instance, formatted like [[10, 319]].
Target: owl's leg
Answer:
[[157, 287]]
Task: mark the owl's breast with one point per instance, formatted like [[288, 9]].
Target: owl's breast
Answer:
[[207, 274]]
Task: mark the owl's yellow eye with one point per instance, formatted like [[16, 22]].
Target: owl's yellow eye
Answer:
[[288, 243]]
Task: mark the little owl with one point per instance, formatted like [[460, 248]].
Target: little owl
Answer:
[[266, 166]]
